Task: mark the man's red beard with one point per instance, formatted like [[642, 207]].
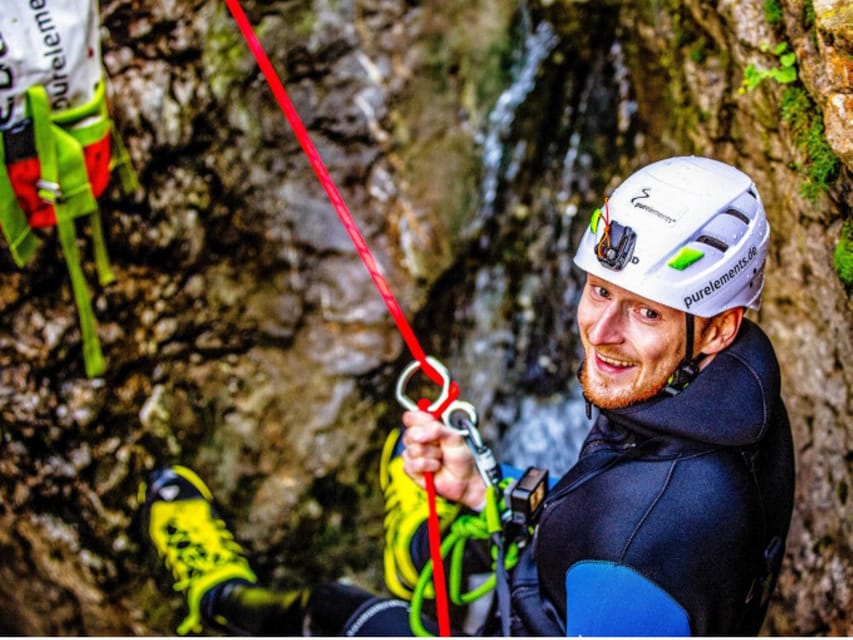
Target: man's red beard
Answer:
[[607, 396]]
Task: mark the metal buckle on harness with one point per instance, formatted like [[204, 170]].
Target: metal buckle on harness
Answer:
[[49, 191], [462, 417]]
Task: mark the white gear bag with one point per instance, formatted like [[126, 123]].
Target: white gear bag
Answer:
[[53, 43]]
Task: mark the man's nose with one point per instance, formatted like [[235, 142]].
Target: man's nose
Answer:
[[607, 328]]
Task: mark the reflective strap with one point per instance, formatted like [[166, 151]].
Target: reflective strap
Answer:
[[77, 202], [92, 125], [78, 199], [19, 236], [95, 107], [38, 108], [65, 185], [76, 192], [99, 247], [92, 355], [120, 162]]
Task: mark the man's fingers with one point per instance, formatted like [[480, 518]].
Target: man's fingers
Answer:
[[415, 449], [420, 464]]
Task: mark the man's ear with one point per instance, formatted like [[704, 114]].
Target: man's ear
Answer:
[[719, 332]]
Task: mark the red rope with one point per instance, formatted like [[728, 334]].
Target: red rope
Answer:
[[364, 252]]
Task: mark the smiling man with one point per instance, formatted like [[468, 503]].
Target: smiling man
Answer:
[[674, 519]]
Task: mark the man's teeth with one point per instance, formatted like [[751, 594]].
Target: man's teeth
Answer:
[[614, 361]]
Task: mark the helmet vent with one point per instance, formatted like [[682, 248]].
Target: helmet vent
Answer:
[[739, 215], [711, 241]]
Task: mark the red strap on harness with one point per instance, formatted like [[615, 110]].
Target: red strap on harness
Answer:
[[364, 252]]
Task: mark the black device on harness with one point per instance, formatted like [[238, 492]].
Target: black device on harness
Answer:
[[527, 495]]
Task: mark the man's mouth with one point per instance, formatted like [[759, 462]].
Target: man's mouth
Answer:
[[610, 364]]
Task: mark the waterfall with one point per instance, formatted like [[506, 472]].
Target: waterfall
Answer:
[[547, 432], [538, 44], [538, 428]]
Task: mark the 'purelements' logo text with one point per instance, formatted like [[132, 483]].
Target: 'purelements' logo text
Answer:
[[638, 204], [715, 285]]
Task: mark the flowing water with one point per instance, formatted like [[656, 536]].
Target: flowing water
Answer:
[[536, 46], [521, 350]]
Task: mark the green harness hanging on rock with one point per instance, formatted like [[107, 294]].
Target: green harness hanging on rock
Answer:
[[56, 162]]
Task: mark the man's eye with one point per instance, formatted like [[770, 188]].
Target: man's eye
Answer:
[[649, 314], [601, 292]]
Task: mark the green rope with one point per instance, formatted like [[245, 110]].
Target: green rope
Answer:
[[467, 527]]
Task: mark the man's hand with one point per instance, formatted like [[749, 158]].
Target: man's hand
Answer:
[[433, 447]]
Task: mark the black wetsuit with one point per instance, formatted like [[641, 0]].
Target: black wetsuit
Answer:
[[691, 494]]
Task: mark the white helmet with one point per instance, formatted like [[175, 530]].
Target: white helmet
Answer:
[[686, 232]]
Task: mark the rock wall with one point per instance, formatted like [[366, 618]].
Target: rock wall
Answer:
[[243, 337]]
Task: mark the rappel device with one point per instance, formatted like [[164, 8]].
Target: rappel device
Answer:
[[58, 144]]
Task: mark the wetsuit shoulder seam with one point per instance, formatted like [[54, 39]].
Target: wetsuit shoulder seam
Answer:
[[647, 514]]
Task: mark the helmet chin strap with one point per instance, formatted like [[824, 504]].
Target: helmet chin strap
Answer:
[[688, 368]]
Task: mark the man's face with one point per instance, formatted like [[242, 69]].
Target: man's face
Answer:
[[632, 345]]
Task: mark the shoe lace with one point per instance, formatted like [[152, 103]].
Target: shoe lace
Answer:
[[195, 543]]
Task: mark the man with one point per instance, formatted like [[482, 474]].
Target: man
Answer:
[[674, 519]]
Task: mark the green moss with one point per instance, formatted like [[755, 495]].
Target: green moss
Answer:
[[698, 51], [806, 124], [785, 73], [808, 19], [808, 15], [305, 23], [844, 254], [494, 66], [796, 108], [773, 12], [479, 57], [803, 118]]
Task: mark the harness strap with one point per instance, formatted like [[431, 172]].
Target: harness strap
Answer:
[[64, 184], [120, 162], [71, 197], [19, 235]]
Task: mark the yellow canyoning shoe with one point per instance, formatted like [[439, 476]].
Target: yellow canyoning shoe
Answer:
[[406, 509], [186, 533]]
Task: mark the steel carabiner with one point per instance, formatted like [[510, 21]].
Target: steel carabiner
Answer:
[[450, 415], [410, 371]]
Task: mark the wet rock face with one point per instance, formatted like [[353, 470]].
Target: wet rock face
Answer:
[[245, 339]]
